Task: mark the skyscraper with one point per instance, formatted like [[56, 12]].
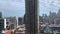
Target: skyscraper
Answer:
[[52, 16], [31, 16], [12, 22], [2, 21], [20, 21], [0, 14]]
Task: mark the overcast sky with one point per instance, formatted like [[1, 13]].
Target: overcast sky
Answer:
[[17, 7], [49, 5], [12, 7]]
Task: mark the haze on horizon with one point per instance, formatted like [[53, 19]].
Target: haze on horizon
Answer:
[[49, 5]]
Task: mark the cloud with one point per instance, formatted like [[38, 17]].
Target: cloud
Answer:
[[12, 6], [49, 5], [56, 3]]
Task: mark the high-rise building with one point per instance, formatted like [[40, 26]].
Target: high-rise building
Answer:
[[31, 17], [57, 21], [0, 14], [24, 18], [40, 19], [52, 16], [58, 14], [11, 22], [2, 21], [20, 30], [20, 21], [45, 18]]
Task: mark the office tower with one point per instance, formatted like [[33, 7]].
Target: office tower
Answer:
[[2, 21], [58, 14], [12, 22], [20, 21], [52, 16], [24, 18], [31, 16], [0, 14]]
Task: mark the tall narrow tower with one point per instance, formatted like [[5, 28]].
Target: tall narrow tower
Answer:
[[31, 16], [0, 14]]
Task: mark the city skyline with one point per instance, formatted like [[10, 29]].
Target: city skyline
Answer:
[[49, 5], [17, 7]]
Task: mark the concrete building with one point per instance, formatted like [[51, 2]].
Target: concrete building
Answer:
[[20, 21], [45, 18], [5, 24], [11, 22], [0, 14], [40, 19], [52, 16], [21, 29], [31, 16], [55, 28], [58, 14], [24, 18], [57, 21], [2, 25]]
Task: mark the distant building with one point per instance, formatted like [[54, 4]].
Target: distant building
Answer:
[[58, 14], [57, 21], [40, 19], [0, 14], [20, 21], [45, 18], [24, 18], [52, 16], [2, 24], [11, 22], [21, 29]]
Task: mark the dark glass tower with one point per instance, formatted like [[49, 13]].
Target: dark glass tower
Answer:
[[31, 16], [1, 24], [0, 14]]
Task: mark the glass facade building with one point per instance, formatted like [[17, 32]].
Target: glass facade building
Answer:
[[31, 16]]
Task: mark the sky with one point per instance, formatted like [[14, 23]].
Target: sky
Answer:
[[12, 8], [45, 6], [17, 7]]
